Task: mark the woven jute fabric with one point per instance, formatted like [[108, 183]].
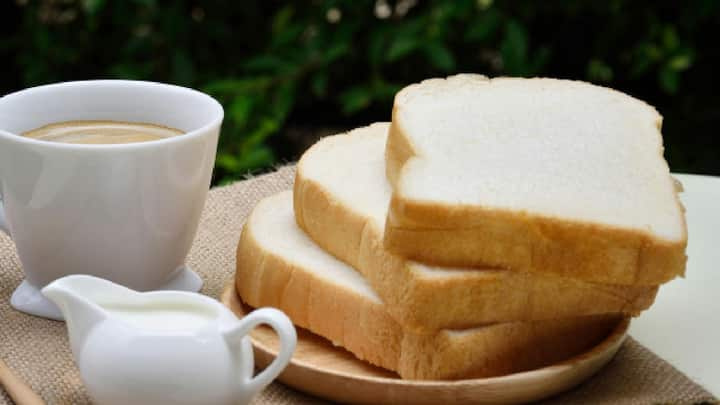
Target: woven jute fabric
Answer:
[[38, 351]]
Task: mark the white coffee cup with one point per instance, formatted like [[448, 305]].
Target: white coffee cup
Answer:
[[124, 212]]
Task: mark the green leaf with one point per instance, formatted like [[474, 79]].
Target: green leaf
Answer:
[[319, 83], [355, 99], [92, 7], [257, 157], [442, 10], [484, 4], [283, 101], [183, 70], [644, 56], [483, 27], [147, 3], [336, 51], [514, 49], [651, 51], [539, 60], [669, 80], [131, 71], [385, 91], [670, 39], [411, 27], [264, 63], [599, 71], [287, 35], [267, 126], [376, 47], [680, 62], [228, 162], [239, 110], [282, 18], [224, 181], [401, 47], [440, 56]]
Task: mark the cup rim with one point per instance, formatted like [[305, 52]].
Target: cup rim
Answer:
[[214, 121]]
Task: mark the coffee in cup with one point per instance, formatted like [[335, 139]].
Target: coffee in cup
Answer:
[[101, 132]]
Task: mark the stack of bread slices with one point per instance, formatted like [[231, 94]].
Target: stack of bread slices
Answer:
[[495, 226]]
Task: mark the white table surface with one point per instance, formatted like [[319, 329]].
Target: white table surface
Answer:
[[683, 326]]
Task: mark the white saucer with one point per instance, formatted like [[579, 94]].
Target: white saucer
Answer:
[[28, 298]]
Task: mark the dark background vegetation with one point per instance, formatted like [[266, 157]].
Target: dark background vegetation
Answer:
[[287, 72]]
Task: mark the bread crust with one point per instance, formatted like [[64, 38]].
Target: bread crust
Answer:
[[476, 236], [420, 302], [363, 326]]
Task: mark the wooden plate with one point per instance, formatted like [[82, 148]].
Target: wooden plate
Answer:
[[330, 372]]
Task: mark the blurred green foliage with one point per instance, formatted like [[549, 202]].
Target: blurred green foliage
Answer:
[[334, 63]]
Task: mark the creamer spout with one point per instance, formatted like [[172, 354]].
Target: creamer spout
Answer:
[[73, 296]]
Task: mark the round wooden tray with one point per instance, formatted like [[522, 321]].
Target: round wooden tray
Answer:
[[330, 372]]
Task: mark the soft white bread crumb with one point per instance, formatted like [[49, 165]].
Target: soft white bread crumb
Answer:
[[542, 158], [341, 199]]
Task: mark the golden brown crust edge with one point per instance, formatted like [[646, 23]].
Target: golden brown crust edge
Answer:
[[350, 321], [446, 235], [479, 297], [364, 329], [506, 347]]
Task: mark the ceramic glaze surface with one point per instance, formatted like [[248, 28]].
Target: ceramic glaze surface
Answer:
[[124, 212], [163, 347], [162, 317]]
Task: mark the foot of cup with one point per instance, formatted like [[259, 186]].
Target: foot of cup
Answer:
[[28, 298], [185, 280]]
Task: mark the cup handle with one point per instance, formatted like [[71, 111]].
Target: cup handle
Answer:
[[282, 325], [3, 222]]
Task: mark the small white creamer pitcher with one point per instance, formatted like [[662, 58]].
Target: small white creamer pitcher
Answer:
[[163, 346]]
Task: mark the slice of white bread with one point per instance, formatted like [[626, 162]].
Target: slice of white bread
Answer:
[[537, 175], [341, 199], [279, 266]]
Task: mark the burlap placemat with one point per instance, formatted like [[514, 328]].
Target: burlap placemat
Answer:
[[37, 349]]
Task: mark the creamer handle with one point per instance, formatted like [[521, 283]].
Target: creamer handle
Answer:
[[288, 339]]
